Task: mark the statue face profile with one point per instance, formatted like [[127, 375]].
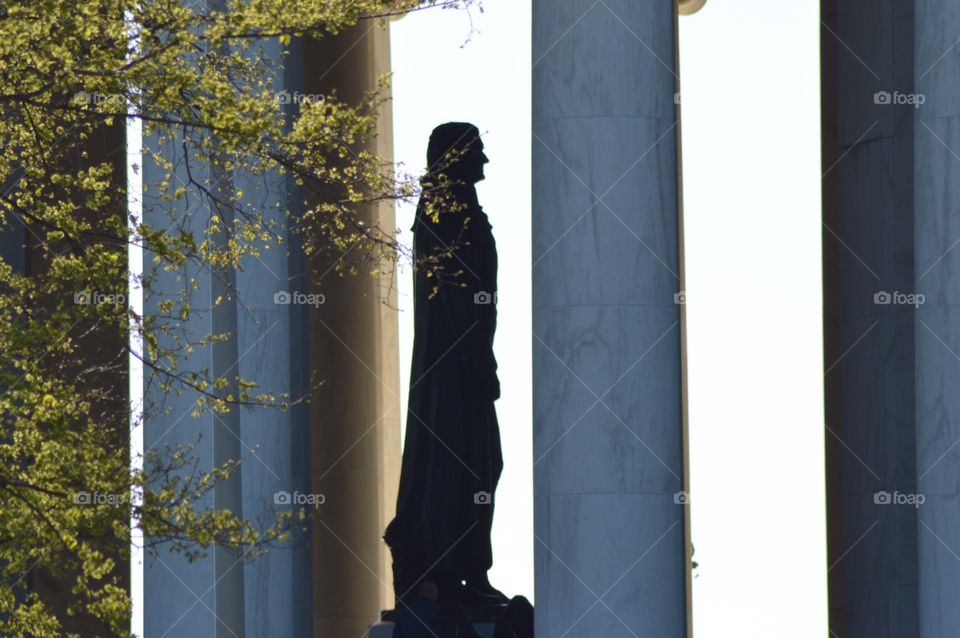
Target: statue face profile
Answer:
[[472, 161], [456, 150]]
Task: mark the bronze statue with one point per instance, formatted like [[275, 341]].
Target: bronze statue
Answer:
[[452, 458]]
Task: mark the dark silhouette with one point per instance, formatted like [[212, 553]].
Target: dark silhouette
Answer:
[[451, 459], [516, 620], [422, 615]]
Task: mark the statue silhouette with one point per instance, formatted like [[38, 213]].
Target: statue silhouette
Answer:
[[452, 458]]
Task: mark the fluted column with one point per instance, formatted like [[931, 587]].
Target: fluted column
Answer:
[[344, 444]]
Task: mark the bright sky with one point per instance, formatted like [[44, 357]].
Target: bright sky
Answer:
[[751, 154], [752, 196]]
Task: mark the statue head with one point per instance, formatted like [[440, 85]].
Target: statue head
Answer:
[[456, 150]]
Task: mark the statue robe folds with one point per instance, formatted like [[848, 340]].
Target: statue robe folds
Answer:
[[452, 457]]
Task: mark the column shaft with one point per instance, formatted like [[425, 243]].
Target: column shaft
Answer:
[[353, 350], [607, 391], [936, 230]]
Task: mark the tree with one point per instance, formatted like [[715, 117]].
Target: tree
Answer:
[[74, 74]]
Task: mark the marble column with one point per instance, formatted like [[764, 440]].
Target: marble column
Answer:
[[936, 226], [353, 347], [867, 51], [219, 595], [607, 391], [204, 597], [891, 335], [344, 443]]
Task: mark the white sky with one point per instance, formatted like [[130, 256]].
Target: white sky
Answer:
[[751, 153]]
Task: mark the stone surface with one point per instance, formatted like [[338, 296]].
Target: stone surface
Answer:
[[868, 358], [609, 552], [344, 444], [892, 224], [937, 263], [353, 347]]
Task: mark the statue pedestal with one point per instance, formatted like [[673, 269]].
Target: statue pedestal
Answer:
[[385, 630]]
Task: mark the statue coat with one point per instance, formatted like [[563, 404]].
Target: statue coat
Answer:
[[451, 457]]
